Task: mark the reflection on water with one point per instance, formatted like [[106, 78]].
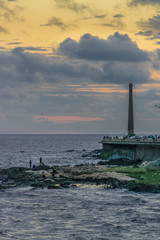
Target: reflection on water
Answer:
[[79, 213]]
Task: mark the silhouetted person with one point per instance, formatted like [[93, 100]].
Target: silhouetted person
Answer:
[[40, 160], [53, 173], [34, 166], [30, 163]]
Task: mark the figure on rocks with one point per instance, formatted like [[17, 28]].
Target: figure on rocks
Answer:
[[40, 160], [53, 173], [30, 163]]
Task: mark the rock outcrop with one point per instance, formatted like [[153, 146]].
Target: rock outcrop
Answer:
[[65, 177]]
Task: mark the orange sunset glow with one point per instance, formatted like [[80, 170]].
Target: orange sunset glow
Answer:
[[66, 119]]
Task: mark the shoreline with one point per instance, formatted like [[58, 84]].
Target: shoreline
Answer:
[[132, 178]]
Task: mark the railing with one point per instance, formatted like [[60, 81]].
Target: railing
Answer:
[[129, 140]]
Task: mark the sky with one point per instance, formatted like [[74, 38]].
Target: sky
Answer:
[[65, 66]]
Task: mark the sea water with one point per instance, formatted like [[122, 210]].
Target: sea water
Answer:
[[85, 212], [18, 150]]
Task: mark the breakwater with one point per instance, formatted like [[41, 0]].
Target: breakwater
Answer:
[[132, 150]]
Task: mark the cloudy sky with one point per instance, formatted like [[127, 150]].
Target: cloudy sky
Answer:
[[65, 65]]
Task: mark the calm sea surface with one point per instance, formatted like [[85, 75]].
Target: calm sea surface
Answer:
[[92, 213]]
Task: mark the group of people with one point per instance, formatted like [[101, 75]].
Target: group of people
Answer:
[[41, 163], [34, 166]]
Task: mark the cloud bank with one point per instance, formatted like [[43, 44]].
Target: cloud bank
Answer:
[[70, 90], [116, 60], [118, 47]]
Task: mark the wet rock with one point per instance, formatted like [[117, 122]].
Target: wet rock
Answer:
[[37, 185], [71, 150], [66, 177], [141, 187], [73, 185], [65, 185], [93, 154], [121, 162], [54, 187], [42, 167], [2, 187]]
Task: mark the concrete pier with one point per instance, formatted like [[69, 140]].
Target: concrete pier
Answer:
[[132, 150]]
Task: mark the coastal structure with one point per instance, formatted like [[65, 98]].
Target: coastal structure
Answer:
[[130, 112], [131, 147]]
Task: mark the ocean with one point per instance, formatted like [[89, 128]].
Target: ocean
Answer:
[[85, 212], [18, 150]]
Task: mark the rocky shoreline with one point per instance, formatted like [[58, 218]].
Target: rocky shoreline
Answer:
[[66, 177]]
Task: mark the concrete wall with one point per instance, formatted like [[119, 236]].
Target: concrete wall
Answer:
[[132, 151]]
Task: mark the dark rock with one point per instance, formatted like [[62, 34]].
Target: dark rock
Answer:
[[2, 187], [141, 187], [71, 150], [93, 154], [65, 185], [42, 167], [20, 177], [73, 186], [54, 187], [121, 162]]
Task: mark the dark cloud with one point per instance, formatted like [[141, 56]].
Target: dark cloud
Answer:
[[20, 67], [32, 83], [71, 5], [144, 2], [118, 47], [30, 67], [54, 21], [10, 14], [36, 49], [149, 34], [28, 49], [145, 33], [100, 16], [116, 22], [158, 54], [151, 27], [113, 24], [14, 43], [155, 36], [93, 16], [156, 64], [124, 73], [152, 23], [118, 16], [3, 30]]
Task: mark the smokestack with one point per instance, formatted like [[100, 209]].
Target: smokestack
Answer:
[[130, 112]]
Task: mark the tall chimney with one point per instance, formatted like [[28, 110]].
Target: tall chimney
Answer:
[[130, 112]]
